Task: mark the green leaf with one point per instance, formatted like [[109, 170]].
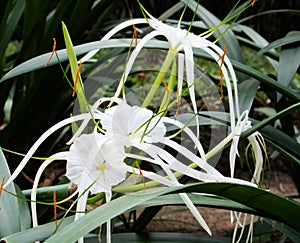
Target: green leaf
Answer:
[[264, 202], [9, 207], [39, 61], [25, 218], [268, 120], [268, 111], [266, 80], [290, 38], [54, 19], [289, 62], [8, 25], [46, 193], [38, 233], [203, 200], [286, 230], [247, 91], [257, 40]]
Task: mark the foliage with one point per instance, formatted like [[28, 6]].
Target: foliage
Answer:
[[29, 84]]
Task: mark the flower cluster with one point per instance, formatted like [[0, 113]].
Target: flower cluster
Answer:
[[97, 161]]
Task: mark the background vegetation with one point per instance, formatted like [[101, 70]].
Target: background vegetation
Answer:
[[35, 97]]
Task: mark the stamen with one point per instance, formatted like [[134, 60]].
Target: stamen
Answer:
[[253, 2], [101, 167], [77, 77], [220, 73], [52, 53], [2, 184], [167, 91], [134, 35], [54, 208], [141, 173]]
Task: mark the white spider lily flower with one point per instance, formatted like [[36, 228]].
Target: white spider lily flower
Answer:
[[95, 165], [179, 40], [140, 128], [94, 160]]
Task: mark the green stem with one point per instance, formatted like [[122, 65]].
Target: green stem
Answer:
[[169, 90], [164, 68]]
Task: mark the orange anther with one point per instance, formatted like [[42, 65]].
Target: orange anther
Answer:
[[167, 89], [2, 184], [134, 35], [253, 2], [54, 208], [52, 53], [141, 173]]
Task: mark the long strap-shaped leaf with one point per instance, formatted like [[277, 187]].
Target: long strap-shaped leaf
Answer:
[[267, 203]]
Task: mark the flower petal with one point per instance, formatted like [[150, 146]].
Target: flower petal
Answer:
[[44, 136], [112, 32], [126, 123]]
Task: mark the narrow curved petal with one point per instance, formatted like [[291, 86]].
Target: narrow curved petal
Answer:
[[195, 212], [40, 141], [258, 155], [150, 149], [94, 114], [191, 156], [184, 196], [132, 58], [240, 127], [176, 165], [189, 65], [232, 109], [80, 208], [112, 32], [58, 156], [188, 132], [108, 223], [180, 74]]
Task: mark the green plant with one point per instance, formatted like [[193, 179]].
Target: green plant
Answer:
[[284, 98]]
